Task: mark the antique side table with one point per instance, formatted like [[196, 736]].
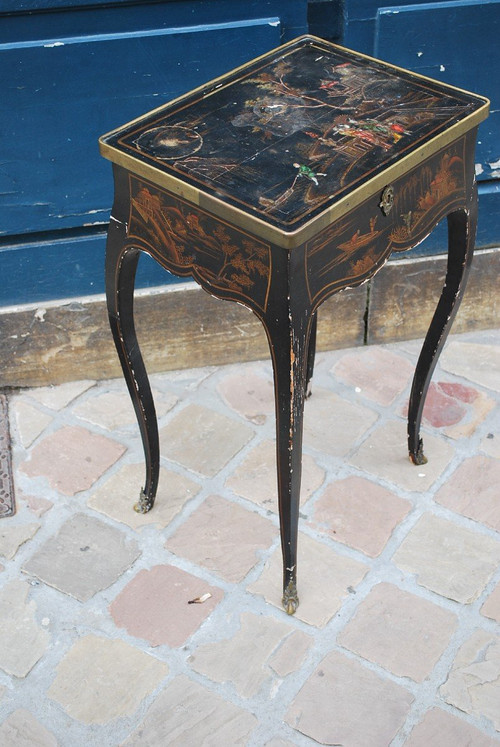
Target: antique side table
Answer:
[[277, 185]]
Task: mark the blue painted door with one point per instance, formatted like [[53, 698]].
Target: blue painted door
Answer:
[[70, 73], [455, 41]]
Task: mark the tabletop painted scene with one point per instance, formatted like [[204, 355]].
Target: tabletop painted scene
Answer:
[[285, 137]]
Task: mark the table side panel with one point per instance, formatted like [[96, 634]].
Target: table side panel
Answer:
[[189, 241]]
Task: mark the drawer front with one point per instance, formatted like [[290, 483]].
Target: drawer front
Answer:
[[394, 220]]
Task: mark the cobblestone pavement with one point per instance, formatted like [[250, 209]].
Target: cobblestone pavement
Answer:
[[396, 639]]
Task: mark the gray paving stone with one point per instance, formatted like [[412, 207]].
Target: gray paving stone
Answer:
[[325, 579], [21, 729], [441, 728], [344, 703], [100, 680], [259, 640], [114, 411], [491, 442], [12, 536], [58, 397], [385, 454], [399, 631], [473, 684], [119, 493], [85, 557], [476, 362], [22, 642], [186, 713], [30, 421], [203, 440], [491, 608], [448, 559], [332, 425]]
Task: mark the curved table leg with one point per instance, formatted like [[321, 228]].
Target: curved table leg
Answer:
[[121, 264], [289, 344], [461, 237], [311, 353]]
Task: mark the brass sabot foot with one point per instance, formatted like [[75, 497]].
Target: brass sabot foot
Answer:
[[419, 457], [144, 504], [290, 599]]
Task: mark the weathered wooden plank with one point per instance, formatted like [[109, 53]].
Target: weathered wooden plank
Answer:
[[177, 328], [404, 295], [184, 327]]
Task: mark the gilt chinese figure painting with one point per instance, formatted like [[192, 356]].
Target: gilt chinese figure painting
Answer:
[[287, 135]]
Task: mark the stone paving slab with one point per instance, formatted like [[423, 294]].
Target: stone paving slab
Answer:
[[359, 513], [399, 631], [23, 641], [166, 628], [85, 557], [280, 651], [452, 560], [188, 713], [99, 680], [344, 702], [220, 527], [157, 605]]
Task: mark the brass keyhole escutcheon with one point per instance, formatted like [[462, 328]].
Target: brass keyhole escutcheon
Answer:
[[387, 200]]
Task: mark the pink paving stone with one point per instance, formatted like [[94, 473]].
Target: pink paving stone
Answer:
[[344, 703], [250, 394], [380, 374], [474, 490], [72, 459], [155, 605], [491, 608], [359, 513], [445, 730], [443, 407], [223, 537], [457, 408], [399, 631]]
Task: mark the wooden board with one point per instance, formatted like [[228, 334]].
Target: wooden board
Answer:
[[62, 343]]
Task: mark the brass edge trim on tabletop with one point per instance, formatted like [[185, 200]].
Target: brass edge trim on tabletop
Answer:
[[262, 229]]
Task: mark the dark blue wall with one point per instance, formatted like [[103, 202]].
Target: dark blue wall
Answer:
[[71, 72]]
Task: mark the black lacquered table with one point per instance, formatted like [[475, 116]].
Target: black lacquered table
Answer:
[[277, 185]]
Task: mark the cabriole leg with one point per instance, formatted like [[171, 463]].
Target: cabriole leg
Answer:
[[311, 353], [121, 264], [289, 351], [461, 237]]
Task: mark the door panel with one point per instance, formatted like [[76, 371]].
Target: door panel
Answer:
[[448, 41], [66, 91]]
